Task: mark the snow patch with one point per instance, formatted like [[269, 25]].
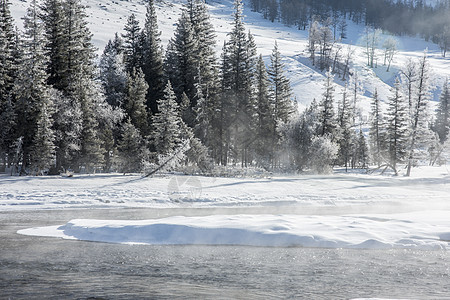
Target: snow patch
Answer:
[[406, 230]]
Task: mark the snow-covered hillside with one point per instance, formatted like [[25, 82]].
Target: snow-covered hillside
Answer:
[[107, 17]]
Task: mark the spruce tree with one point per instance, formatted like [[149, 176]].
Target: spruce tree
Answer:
[[442, 126], [34, 103], [281, 89], [167, 123], [184, 60], [327, 117], [112, 75], [132, 44], [376, 130], [237, 87], [81, 86], [43, 148], [54, 17], [136, 104], [397, 127], [346, 132], [131, 148], [8, 72], [266, 123], [362, 151], [205, 36], [152, 60]]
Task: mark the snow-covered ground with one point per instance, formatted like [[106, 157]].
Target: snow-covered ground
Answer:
[[339, 210]]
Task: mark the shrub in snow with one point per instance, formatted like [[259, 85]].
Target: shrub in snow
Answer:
[[323, 154]]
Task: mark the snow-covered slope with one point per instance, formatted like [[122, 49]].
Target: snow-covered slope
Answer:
[[107, 17]]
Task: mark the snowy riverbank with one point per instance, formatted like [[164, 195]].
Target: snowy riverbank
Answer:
[[337, 210]]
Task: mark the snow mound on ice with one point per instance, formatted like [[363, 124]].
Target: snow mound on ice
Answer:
[[409, 230]]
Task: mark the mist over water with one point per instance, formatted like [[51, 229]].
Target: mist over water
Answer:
[[33, 267]]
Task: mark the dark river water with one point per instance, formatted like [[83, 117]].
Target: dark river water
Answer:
[[51, 268]]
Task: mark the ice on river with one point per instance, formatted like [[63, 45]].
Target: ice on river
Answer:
[[420, 230]]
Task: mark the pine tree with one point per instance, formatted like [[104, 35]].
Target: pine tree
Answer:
[[82, 86], [281, 88], [205, 35], [266, 125], [167, 123], [237, 87], [43, 148], [152, 64], [184, 60], [112, 74], [326, 108], [397, 130], [132, 44], [135, 106], [8, 72], [442, 126], [419, 120], [34, 104], [55, 21], [346, 132], [356, 89], [362, 151], [376, 130], [8, 44], [68, 129], [131, 148]]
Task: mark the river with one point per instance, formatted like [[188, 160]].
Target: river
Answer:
[[51, 268]]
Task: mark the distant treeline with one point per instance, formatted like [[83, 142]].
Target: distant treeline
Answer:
[[407, 17]]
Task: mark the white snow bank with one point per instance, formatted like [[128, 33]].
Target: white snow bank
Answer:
[[420, 230]]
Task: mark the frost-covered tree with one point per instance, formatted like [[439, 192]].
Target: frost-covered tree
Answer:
[[34, 103], [205, 35], [131, 147], [313, 38], [266, 124], [299, 137], [361, 155], [376, 132], [43, 148], [420, 132], [112, 73], [371, 39], [442, 124], [390, 48], [8, 72], [323, 153], [184, 59], [444, 40], [152, 64], [346, 137], [280, 87], [68, 127], [82, 86], [167, 123], [132, 44], [397, 128], [136, 102], [409, 79], [356, 89], [239, 62], [327, 119]]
